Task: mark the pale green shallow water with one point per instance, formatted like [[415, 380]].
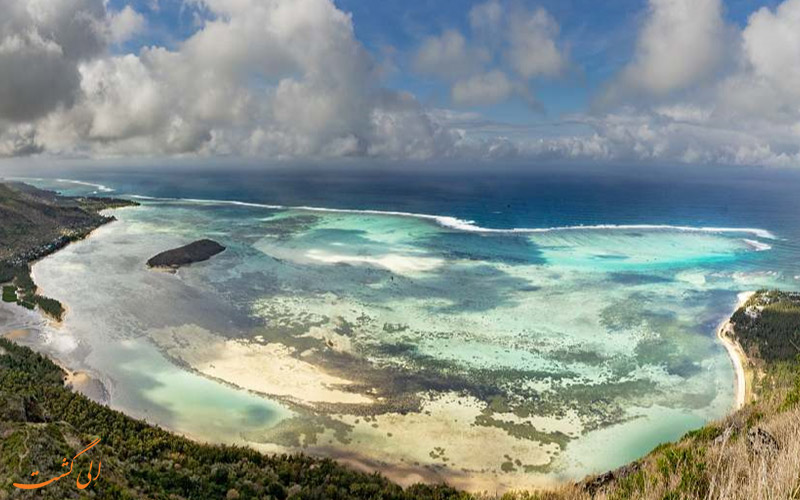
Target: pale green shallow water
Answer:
[[614, 326]]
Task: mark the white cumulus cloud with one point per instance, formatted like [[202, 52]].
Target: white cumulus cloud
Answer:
[[682, 42], [125, 24], [506, 49], [483, 89]]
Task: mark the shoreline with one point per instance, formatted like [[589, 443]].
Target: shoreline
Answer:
[[742, 389], [396, 472], [83, 382]]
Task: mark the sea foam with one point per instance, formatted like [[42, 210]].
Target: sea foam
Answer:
[[470, 225], [99, 187], [757, 245]]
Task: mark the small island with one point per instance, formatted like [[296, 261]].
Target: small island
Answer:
[[198, 251]]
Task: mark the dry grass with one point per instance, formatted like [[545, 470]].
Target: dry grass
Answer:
[[737, 473]]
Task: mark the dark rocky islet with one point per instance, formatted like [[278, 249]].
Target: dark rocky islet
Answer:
[[197, 251]]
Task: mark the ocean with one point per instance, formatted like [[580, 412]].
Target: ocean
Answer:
[[495, 329]]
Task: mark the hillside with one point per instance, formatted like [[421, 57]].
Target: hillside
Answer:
[[35, 223]]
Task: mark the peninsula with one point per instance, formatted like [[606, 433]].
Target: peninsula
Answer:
[[35, 223]]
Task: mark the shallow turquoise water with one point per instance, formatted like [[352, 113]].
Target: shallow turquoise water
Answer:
[[612, 328]]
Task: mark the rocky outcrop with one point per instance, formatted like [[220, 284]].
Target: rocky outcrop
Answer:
[[761, 442], [194, 252], [593, 485]]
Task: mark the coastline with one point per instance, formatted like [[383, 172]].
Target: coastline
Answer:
[[738, 359], [742, 384]]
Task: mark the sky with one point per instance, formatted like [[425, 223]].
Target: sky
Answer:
[[579, 81]]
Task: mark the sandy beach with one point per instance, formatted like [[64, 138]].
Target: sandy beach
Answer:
[[16, 334], [85, 384], [743, 381]]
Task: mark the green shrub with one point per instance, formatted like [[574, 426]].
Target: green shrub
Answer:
[[23, 280], [707, 433], [9, 294], [688, 464], [793, 396], [26, 304], [630, 487], [50, 306]]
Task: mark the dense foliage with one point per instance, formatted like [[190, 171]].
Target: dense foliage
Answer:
[[41, 422], [23, 291], [768, 326], [9, 294]]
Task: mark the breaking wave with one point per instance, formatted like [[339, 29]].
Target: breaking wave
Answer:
[[470, 226]]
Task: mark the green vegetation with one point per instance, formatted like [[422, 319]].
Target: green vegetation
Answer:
[[35, 223], [768, 326], [6, 272], [23, 292], [41, 422], [50, 306]]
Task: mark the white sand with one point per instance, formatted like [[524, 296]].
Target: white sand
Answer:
[[398, 264], [736, 353], [83, 383], [442, 443], [16, 334], [268, 369]]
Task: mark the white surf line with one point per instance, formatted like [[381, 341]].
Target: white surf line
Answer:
[[99, 187], [467, 225], [735, 352], [757, 245]]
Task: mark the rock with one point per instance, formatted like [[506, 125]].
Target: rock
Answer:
[[194, 252], [592, 486], [761, 442]]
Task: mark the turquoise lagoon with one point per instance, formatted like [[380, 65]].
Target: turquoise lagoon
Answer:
[[404, 342]]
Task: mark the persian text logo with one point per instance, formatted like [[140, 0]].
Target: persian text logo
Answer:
[[81, 486]]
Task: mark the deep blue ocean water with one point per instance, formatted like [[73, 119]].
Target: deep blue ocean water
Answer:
[[503, 197], [700, 196]]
